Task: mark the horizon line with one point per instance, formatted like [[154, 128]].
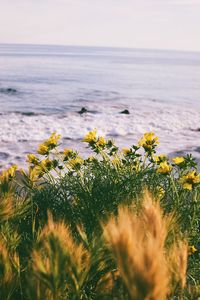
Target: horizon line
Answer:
[[101, 46]]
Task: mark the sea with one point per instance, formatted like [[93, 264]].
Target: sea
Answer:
[[44, 89]]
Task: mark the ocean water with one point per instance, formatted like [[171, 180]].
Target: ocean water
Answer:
[[43, 88]]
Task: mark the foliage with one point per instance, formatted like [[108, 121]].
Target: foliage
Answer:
[[85, 228]]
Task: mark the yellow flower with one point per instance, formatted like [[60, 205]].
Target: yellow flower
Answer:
[[76, 162], [52, 140], [197, 178], [43, 149], [160, 158], [46, 164], [90, 137], [31, 158], [187, 186], [8, 174], [49, 144], [11, 171], [101, 141], [137, 166], [148, 141], [192, 249], [32, 176], [34, 173], [67, 152], [160, 192], [189, 180], [164, 168], [178, 160], [116, 161], [126, 151], [90, 158]]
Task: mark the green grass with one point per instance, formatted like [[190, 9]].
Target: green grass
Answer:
[[39, 263]]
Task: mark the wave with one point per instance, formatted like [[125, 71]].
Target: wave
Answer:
[[109, 119], [178, 129]]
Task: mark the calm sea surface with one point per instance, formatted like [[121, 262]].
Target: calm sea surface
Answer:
[[42, 88]]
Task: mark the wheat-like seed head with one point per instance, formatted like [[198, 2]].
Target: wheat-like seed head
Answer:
[[6, 208], [137, 241], [59, 263]]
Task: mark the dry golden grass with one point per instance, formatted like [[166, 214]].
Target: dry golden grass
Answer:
[[61, 232], [9, 266], [59, 264], [6, 208], [138, 241], [177, 259]]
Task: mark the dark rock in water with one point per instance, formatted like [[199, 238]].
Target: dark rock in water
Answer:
[[125, 111], [4, 155], [85, 110], [8, 91], [19, 158], [28, 113], [82, 111], [197, 149]]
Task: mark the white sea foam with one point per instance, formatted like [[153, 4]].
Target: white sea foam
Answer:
[[177, 128]]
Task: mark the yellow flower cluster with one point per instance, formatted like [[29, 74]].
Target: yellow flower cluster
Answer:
[[32, 159], [49, 144], [67, 153], [34, 173], [116, 161], [189, 180], [76, 162], [160, 192], [148, 141], [91, 158], [93, 140], [91, 137], [8, 174], [178, 160], [43, 149], [192, 249], [126, 151], [164, 168], [160, 158], [39, 167], [101, 141], [52, 140], [46, 164]]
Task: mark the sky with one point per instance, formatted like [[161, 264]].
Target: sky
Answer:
[[158, 24]]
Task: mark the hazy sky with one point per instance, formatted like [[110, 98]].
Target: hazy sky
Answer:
[[168, 24]]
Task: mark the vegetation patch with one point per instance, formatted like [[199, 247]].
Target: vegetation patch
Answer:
[[119, 224]]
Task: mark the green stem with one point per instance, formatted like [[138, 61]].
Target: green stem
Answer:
[[175, 189], [20, 283], [144, 162]]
